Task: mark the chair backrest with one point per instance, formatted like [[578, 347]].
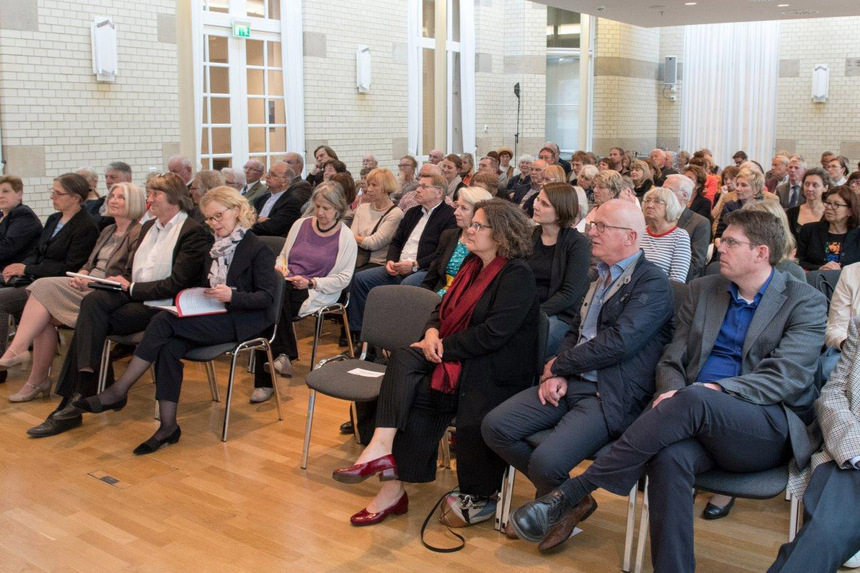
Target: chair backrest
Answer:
[[395, 315], [274, 243]]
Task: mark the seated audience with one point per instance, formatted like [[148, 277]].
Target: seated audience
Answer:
[[281, 205], [585, 179], [435, 157], [665, 243], [407, 168], [844, 306], [505, 167], [169, 258], [347, 183], [736, 397], [317, 261], [489, 182], [333, 167], [375, 220], [411, 250], [787, 264], [322, 154], [255, 187], [234, 178], [728, 192], [830, 484], [607, 186], [820, 245], [559, 259], [749, 186], [64, 245], [816, 184], [778, 172], [698, 203], [240, 275], [176, 164], [697, 227], [115, 172], [739, 157], [452, 250], [854, 182], [790, 191], [603, 374], [554, 174], [20, 227], [837, 167], [201, 184], [519, 184], [486, 322], [407, 200], [538, 178], [577, 161], [467, 168], [641, 175], [451, 166], [57, 300]]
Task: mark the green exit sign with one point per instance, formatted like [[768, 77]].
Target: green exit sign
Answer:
[[241, 30]]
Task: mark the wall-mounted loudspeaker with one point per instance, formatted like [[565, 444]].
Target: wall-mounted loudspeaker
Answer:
[[670, 70]]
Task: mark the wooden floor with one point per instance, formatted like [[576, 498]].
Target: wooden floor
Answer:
[[245, 505]]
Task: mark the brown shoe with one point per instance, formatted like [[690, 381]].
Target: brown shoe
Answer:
[[562, 530], [509, 531]]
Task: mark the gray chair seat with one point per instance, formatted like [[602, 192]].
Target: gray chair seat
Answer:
[[336, 381], [759, 485], [207, 353]]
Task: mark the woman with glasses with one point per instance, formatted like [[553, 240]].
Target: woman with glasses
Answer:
[[56, 301], [815, 185], [478, 350], [820, 244], [406, 169], [240, 275], [66, 242], [665, 244], [520, 183]]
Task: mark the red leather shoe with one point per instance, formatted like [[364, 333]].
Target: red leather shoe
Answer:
[[363, 517], [385, 466]]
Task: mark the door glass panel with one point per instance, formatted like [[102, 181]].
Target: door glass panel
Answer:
[[274, 54], [276, 83], [456, 107], [428, 100], [277, 140], [219, 80], [222, 6], [217, 49], [220, 110], [221, 140], [276, 108], [256, 111], [428, 19], [257, 139], [255, 82], [254, 49], [256, 8], [455, 20], [562, 101], [205, 110], [274, 9]]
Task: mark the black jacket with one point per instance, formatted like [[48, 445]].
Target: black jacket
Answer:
[[67, 251], [518, 187], [436, 275], [812, 246], [189, 257], [286, 210], [702, 206], [633, 326], [569, 279], [644, 188], [252, 274], [19, 233], [442, 218]]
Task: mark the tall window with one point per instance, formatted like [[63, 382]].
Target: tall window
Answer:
[[243, 103], [564, 51]]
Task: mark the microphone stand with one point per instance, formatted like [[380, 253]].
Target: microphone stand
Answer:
[[517, 134]]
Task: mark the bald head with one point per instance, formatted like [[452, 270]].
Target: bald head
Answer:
[[624, 226], [428, 170]]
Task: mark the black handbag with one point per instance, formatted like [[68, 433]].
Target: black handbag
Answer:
[[362, 257]]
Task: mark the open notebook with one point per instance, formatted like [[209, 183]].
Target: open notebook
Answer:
[[193, 302]]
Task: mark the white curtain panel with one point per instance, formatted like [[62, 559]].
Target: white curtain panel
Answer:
[[467, 73], [729, 83], [413, 68], [292, 54], [197, 76]]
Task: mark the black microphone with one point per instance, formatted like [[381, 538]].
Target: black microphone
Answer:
[[517, 90]]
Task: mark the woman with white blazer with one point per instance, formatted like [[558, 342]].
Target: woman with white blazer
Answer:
[[317, 262]]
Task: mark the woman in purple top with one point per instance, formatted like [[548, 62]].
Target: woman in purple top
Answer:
[[317, 262]]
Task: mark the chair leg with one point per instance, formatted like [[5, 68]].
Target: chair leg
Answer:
[[103, 368], [795, 519], [229, 400], [509, 495], [349, 346], [444, 446], [252, 362], [317, 334], [152, 372], [213, 383], [308, 424], [631, 525], [274, 381], [354, 410], [643, 531]]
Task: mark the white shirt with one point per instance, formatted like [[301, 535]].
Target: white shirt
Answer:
[[153, 260], [410, 248], [270, 202]]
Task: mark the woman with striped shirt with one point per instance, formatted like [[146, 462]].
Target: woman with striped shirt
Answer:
[[665, 244]]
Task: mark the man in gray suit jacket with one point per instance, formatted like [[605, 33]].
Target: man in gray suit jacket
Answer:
[[791, 192], [254, 188], [698, 227], [831, 527], [735, 392]]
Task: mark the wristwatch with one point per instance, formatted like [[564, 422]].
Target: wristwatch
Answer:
[[415, 267]]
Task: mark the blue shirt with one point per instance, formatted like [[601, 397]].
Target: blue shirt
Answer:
[[589, 326], [727, 354]]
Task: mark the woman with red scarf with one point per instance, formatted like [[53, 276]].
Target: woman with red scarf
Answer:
[[480, 347]]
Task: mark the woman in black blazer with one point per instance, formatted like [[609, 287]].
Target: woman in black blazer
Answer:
[[560, 259], [64, 245], [452, 248], [20, 227], [241, 275], [479, 348], [822, 245]]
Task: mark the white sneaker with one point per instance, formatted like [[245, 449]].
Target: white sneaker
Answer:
[[283, 366], [462, 510], [261, 395], [854, 562]]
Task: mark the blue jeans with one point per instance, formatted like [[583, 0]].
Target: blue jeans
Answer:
[[365, 280], [557, 330]]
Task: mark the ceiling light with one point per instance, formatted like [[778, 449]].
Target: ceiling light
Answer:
[[800, 12], [782, 5], [689, 3]]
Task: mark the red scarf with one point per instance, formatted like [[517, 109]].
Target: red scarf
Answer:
[[456, 311]]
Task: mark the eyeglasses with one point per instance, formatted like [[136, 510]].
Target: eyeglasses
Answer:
[[732, 243], [653, 200], [217, 216], [833, 205], [404, 166], [545, 157], [271, 173], [54, 194], [478, 226], [601, 227], [246, 168]]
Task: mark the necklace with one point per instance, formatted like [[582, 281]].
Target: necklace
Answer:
[[323, 231]]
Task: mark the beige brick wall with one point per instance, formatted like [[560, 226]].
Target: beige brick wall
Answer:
[[668, 111], [57, 118]]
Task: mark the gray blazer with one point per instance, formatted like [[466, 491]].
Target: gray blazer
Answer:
[[780, 353], [699, 229], [118, 263], [782, 191], [255, 191]]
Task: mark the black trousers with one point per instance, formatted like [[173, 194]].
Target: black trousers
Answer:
[[12, 302], [168, 338], [831, 527], [285, 339], [421, 417], [578, 431], [692, 432], [102, 313]]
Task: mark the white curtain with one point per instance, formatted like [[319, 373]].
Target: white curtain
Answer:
[[729, 84], [467, 73], [413, 70], [197, 76], [292, 54]]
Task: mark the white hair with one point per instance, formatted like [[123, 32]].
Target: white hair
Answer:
[[88, 173], [685, 184], [238, 175], [184, 161], [526, 157]]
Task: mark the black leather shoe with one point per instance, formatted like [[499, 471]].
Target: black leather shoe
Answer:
[[4, 374], [347, 428], [94, 406], [534, 520], [52, 426], [716, 512], [153, 444]]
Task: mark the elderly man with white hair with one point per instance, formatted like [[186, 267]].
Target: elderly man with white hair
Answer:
[[234, 178], [369, 162], [698, 227], [181, 166], [255, 187]]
